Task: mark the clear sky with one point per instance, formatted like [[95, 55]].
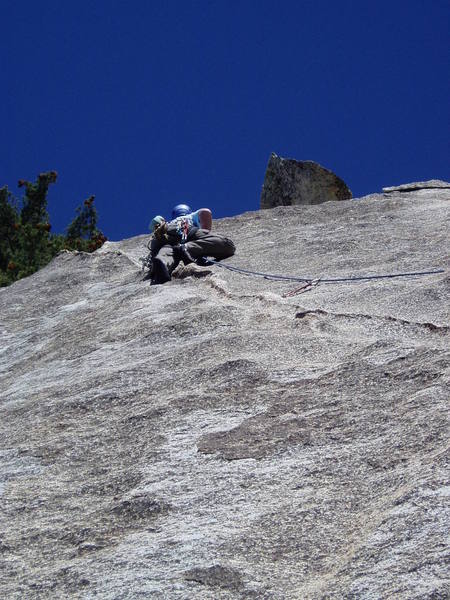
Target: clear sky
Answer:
[[150, 103]]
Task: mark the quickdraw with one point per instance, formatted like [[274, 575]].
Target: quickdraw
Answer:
[[303, 288]]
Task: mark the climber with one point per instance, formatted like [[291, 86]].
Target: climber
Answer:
[[201, 218], [184, 241]]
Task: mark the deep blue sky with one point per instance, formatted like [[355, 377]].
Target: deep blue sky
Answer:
[[149, 103]]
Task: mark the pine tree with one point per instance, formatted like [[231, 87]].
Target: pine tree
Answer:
[[82, 233], [9, 225], [26, 243]]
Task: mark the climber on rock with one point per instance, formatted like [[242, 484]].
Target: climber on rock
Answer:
[[186, 238], [201, 218]]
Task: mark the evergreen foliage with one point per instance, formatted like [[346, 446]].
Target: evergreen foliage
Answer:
[[82, 233], [26, 243]]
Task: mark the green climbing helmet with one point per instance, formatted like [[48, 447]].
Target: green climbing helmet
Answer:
[[155, 222]]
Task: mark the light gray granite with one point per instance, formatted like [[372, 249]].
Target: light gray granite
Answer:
[[211, 438], [418, 185]]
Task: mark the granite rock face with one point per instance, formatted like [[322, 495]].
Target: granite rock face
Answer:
[[213, 438], [289, 182], [418, 185]]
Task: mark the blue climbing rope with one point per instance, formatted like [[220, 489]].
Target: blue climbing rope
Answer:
[[324, 280]]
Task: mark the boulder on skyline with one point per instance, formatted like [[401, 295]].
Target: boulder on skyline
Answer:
[[288, 182]]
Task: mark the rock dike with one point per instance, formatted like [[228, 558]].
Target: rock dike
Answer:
[[212, 438]]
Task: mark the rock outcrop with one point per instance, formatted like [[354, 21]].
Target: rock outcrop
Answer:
[[289, 182], [418, 185], [211, 438]]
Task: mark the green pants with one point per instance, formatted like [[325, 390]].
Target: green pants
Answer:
[[214, 245]]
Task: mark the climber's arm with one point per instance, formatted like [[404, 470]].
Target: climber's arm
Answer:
[[205, 218]]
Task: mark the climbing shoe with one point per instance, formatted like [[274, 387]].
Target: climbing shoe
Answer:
[[160, 273], [203, 261]]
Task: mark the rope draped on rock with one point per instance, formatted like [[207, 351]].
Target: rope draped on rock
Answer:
[[331, 280]]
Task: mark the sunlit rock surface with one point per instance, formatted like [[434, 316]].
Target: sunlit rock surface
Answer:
[[211, 438], [418, 185]]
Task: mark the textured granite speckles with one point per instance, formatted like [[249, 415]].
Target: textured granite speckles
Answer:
[[211, 439], [418, 185]]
